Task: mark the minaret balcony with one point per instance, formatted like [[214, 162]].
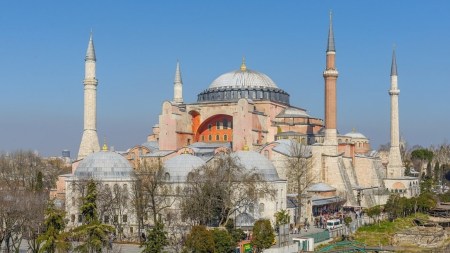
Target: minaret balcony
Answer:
[[330, 72], [394, 92]]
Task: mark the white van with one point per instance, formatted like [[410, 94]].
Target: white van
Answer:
[[335, 223]]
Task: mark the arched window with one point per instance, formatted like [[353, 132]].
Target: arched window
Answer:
[[167, 176], [203, 137], [225, 124], [210, 137], [225, 137], [217, 137], [217, 124], [261, 208]]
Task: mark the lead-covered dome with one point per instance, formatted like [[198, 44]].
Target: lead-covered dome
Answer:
[[252, 160], [241, 79], [243, 83], [179, 167], [104, 165]]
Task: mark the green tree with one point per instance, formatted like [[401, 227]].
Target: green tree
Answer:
[[53, 238], [223, 241], [374, 212], [156, 239], [199, 240], [263, 235], [93, 234], [281, 217]]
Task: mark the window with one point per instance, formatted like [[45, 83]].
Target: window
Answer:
[[225, 124], [188, 141], [124, 218], [261, 208], [217, 137], [80, 218], [203, 138], [73, 201], [167, 176], [72, 218], [73, 187], [218, 125], [209, 127], [131, 230], [106, 219], [210, 137], [225, 137], [116, 218]]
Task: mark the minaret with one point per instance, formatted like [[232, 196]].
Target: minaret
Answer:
[[330, 75], [178, 86], [395, 167], [89, 141]]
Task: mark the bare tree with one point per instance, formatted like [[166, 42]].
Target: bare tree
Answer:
[[216, 190], [150, 192], [299, 173]]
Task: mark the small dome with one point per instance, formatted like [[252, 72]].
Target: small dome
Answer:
[[246, 78], [104, 165], [355, 135], [179, 166], [253, 160], [320, 187]]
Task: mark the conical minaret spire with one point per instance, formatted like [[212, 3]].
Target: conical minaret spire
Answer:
[[330, 75], [89, 141], [395, 167], [330, 46], [178, 86]]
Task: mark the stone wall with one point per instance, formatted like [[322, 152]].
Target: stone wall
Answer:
[[427, 237]]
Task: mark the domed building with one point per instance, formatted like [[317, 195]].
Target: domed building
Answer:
[[114, 178], [241, 107], [178, 168]]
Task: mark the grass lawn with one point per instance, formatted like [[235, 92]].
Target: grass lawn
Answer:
[[381, 234]]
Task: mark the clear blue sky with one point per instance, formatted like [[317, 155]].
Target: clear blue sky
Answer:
[[43, 44]]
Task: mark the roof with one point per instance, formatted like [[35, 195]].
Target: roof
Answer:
[[326, 201], [104, 165], [320, 187], [290, 147], [292, 112], [243, 78], [152, 145]]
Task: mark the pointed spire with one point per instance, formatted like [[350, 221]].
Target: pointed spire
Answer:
[[178, 74], [90, 53], [394, 64], [243, 66], [330, 46]]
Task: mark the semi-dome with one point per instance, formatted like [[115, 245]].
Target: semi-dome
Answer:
[[104, 165], [239, 78], [252, 160], [178, 167]]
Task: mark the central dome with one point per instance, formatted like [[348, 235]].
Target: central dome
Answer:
[[243, 78]]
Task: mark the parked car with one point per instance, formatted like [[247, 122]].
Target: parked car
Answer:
[[335, 223]]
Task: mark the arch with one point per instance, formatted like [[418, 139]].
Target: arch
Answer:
[[214, 126]]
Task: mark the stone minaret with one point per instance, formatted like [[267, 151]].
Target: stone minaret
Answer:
[[395, 167], [330, 75], [178, 86], [89, 141]]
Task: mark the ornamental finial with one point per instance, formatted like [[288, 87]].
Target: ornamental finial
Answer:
[[243, 66], [104, 147]]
